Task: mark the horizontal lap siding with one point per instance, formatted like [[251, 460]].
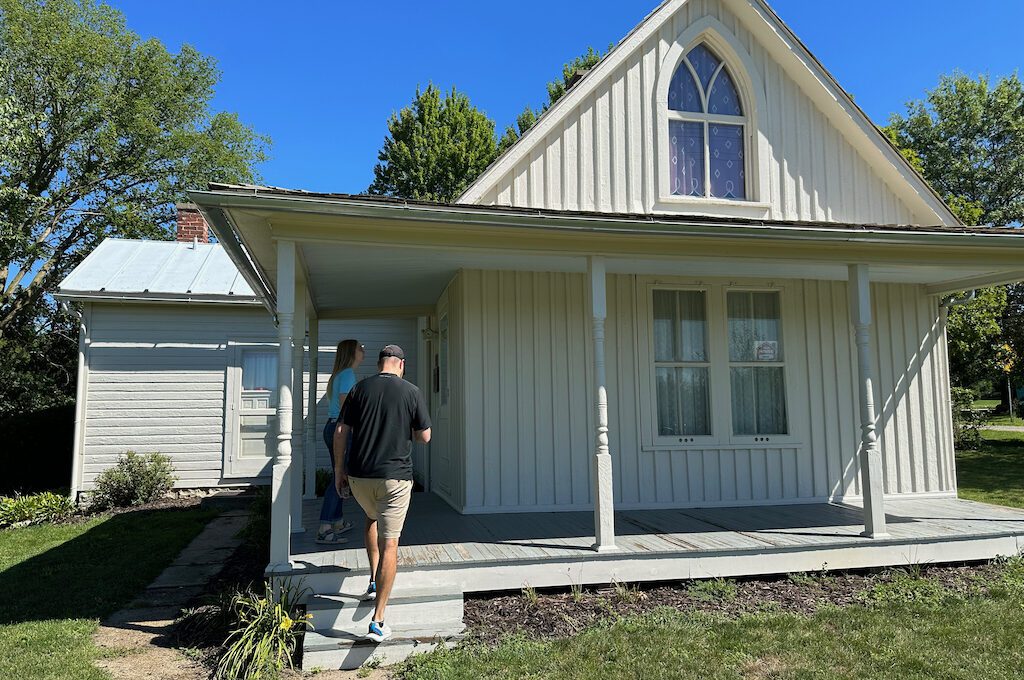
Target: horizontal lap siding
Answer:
[[602, 157], [156, 384], [528, 400]]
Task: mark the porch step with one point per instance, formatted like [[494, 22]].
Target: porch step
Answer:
[[425, 608], [420, 619]]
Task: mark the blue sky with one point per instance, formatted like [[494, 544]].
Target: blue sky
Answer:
[[321, 78]]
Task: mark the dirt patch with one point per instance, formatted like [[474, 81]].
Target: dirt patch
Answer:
[[552, 614], [136, 645]]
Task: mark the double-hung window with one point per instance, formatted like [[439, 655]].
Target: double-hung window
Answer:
[[681, 363], [718, 366], [251, 426], [756, 369]]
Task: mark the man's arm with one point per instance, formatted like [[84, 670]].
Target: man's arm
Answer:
[[420, 420], [421, 436]]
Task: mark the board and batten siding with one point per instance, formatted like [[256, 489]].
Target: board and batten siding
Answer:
[[603, 156], [528, 392]]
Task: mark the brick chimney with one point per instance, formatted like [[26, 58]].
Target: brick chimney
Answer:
[[191, 224]]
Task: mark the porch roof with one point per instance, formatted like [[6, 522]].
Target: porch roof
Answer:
[[399, 254]]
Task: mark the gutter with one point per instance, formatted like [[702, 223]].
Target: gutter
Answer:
[[155, 297], [951, 301]]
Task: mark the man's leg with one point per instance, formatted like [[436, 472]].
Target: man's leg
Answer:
[[372, 549], [385, 574]]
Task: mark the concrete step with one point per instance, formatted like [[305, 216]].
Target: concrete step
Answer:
[[347, 651], [425, 607]]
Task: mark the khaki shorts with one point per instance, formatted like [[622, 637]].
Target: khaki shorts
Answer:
[[384, 500]]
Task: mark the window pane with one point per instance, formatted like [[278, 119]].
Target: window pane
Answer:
[[683, 94], [259, 370], [758, 400], [728, 176], [724, 99], [665, 323], [754, 326], [683, 401], [680, 325], [686, 158], [704, 63]]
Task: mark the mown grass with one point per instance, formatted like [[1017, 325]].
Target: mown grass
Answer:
[[58, 581], [994, 473], [911, 631]]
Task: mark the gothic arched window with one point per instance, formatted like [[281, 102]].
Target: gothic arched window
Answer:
[[706, 129]]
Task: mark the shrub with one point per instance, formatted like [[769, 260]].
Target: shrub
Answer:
[[711, 590], [323, 478], [265, 636], [135, 480], [40, 507], [967, 421]]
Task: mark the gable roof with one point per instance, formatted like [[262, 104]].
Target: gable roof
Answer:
[[773, 33], [157, 271]]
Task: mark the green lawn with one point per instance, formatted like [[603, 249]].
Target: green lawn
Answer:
[[995, 472], [985, 403], [1005, 420], [948, 637], [57, 581]]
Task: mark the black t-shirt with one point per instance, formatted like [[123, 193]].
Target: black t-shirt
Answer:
[[382, 411]]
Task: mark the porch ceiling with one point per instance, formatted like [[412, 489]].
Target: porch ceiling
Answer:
[[387, 255]]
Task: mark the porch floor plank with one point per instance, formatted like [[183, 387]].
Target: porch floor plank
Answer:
[[436, 536]]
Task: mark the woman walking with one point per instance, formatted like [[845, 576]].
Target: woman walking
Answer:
[[343, 378]]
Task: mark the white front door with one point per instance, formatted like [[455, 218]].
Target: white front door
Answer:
[[440, 449]]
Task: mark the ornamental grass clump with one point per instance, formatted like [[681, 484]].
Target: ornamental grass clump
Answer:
[[266, 635], [41, 507], [137, 479]]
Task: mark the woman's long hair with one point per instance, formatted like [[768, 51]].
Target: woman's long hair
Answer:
[[344, 357]]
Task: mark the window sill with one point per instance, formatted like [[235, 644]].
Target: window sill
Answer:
[[716, 207]]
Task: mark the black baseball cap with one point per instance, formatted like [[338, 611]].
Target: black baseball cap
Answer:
[[391, 351]]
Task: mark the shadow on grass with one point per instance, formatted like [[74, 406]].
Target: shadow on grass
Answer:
[[96, 570]]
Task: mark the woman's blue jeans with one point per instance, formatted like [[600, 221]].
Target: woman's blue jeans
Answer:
[[331, 510]]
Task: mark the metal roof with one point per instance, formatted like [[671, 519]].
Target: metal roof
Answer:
[[129, 269]]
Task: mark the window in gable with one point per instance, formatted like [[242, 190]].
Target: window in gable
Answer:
[[706, 129]]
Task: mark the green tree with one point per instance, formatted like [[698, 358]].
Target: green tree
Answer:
[[434, 148], [968, 137], [974, 334], [101, 132], [556, 90]]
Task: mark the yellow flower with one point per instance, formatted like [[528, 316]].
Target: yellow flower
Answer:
[[286, 623]]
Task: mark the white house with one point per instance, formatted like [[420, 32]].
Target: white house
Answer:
[[702, 298]]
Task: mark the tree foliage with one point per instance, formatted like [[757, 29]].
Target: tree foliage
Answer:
[[974, 333], [435, 147], [100, 133], [967, 137], [556, 90]]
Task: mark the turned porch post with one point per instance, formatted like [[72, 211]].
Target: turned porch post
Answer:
[[280, 485], [298, 434], [859, 288], [604, 510], [309, 453]]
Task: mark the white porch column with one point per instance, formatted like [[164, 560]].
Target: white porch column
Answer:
[[280, 489], [309, 453], [298, 434], [604, 510], [859, 288]]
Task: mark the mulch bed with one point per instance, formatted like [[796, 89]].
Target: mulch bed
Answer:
[[559, 614]]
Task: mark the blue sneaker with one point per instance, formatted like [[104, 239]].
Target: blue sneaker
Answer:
[[371, 592], [379, 632]]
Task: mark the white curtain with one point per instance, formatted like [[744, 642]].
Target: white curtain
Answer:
[[758, 392], [259, 370], [680, 336]]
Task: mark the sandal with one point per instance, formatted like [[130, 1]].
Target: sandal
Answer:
[[342, 527], [330, 537]]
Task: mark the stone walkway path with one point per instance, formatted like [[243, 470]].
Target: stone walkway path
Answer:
[[133, 638]]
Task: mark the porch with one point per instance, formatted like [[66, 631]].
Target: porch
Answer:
[[486, 552]]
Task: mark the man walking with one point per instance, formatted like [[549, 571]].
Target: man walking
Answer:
[[384, 413]]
